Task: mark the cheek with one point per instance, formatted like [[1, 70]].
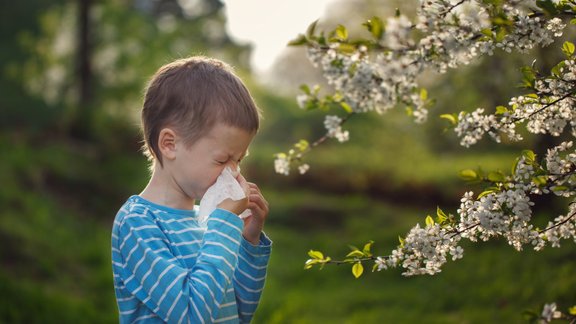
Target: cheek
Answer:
[[212, 174]]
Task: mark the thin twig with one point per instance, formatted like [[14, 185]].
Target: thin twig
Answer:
[[560, 223], [321, 139], [445, 12]]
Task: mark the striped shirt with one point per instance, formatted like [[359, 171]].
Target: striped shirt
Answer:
[[170, 268]]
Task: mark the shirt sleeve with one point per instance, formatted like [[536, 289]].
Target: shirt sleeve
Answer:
[[250, 276], [152, 273]]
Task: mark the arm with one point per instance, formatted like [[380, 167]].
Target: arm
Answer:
[[250, 276], [253, 256], [174, 293]]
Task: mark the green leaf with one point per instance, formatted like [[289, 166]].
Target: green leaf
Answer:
[[468, 175], [355, 254], [302, 145], [556, 70], [452, 118], [423, 94], [310, 263], [316, 89], [500, 110], [440, 215], [529, 155], [401, 240], [341, 33], [299, 40], [429, 221], [540, 180], [311, 29], [367, 248], [347, 48], [316, 254], [548, 6], [305, 88], [572, 310], [357, 269], [346, 107], [501, 20], [375, 26], [559, 188], [409, 111], [323, 262], [485, 193], [487, 32], [496, 176], [568, 48], [501, 34], [528, 72], [515, 166], [528, 75], [573, 21]]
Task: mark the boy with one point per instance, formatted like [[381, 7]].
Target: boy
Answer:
[[198, 119]]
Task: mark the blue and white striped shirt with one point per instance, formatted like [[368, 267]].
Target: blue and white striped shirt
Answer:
[[169, 268]]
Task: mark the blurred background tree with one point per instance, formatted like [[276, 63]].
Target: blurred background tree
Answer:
[[71, 80], [94, 56]]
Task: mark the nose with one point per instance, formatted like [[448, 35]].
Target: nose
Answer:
[[234, 167]]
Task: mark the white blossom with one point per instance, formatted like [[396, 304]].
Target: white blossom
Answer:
[[333, 125], [282, 164], [302, 100], [381, 263], [447, 35], [549, 313]]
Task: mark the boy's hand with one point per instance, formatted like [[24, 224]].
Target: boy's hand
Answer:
[[254, 224], [237, 206], [234, 206], [254, 201]]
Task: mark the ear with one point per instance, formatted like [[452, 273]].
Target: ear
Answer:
[[167, 143]]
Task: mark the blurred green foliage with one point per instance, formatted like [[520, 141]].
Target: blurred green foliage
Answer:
[[62, 180]]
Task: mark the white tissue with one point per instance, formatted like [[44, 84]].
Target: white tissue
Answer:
[[226, 186]]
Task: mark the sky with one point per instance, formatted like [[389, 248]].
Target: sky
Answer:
[[270, 24]]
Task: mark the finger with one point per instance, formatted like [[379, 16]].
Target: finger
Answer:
[[244, 184], [258, 204], [258, 198], [253, 186], [256, 194]]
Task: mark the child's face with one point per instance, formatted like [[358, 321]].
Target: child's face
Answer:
[[197, 166]]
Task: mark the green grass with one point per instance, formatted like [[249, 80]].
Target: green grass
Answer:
[[56, 266]]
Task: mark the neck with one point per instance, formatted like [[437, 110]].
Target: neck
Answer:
[[163, 190]]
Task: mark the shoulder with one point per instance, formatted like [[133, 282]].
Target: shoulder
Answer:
[[134, 214]]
